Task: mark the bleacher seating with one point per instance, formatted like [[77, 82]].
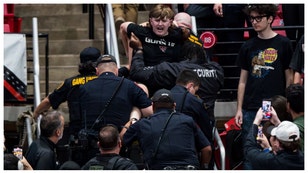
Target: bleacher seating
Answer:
[[11, 22]]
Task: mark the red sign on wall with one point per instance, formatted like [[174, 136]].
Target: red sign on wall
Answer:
[[209, 39]]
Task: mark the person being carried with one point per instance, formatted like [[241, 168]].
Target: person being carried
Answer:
[[162, 41], [164, 75], [109, 144]]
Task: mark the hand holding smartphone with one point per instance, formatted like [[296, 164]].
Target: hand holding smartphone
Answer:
[[18, 152], [266, 107]]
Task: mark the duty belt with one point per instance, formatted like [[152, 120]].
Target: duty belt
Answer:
[[180, 167]]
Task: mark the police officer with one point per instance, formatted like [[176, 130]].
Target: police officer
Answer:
[[164, 74], [109, 99], [187, 84], [168, 139]]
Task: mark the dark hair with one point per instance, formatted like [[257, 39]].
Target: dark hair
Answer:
[[290, 146], [279, 103], [186, 76], [193, 52], [87, 68], [69, 165], [262, 9], [108, 137], [50, 122], [295, 97], [10, 162]]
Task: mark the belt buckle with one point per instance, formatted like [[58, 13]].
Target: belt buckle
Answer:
[[190, 167], [168, 168]]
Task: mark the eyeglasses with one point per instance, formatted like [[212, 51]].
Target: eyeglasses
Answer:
[[257, 18]]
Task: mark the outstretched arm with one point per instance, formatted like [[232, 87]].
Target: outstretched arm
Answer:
[[43, 106], [125, 40]]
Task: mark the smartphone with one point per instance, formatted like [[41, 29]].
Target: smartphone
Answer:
[[260, 132], [18, 152], [266, 107]]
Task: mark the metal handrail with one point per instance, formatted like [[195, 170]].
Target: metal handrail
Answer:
[[221, 149], [110, 34]]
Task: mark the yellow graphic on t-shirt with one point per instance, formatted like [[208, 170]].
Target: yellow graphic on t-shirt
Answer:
[[270, 55], [262, 61]]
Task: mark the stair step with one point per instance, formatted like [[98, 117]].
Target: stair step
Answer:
[[70, 33], [67, 22], [50, 9], [59, 47]]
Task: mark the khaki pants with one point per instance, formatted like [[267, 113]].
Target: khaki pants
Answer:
[[129, 12]]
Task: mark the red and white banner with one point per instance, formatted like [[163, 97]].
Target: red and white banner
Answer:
[[15, 67]]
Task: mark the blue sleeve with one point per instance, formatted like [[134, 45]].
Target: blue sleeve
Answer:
[[254, 153]]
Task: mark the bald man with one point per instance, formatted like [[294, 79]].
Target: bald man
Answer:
[[183, 19]]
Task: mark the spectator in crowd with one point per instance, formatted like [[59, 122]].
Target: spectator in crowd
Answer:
[[204, 14], [293, 15], [297, 62], [11, 162], [109, 99], [231, 16], [164, 74], [279, 103], [264, 61], [295, 106], [41, 153], [109, 144], [282, 154], [162, 41], [168, 139]]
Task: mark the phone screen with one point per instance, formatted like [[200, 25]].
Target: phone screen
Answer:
[[266, 107]]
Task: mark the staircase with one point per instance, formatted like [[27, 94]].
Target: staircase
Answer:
[[67, 26]]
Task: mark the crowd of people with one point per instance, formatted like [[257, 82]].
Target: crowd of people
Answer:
[[164, 105]]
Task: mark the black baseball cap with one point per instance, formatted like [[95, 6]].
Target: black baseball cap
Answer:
[[106, 58], [163, 95], [89, 54]]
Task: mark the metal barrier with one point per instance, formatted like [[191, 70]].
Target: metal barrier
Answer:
[[111, 44]]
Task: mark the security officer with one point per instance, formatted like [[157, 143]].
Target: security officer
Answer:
[[168, 139], [109, 99], [164, 74], [68, 91]]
